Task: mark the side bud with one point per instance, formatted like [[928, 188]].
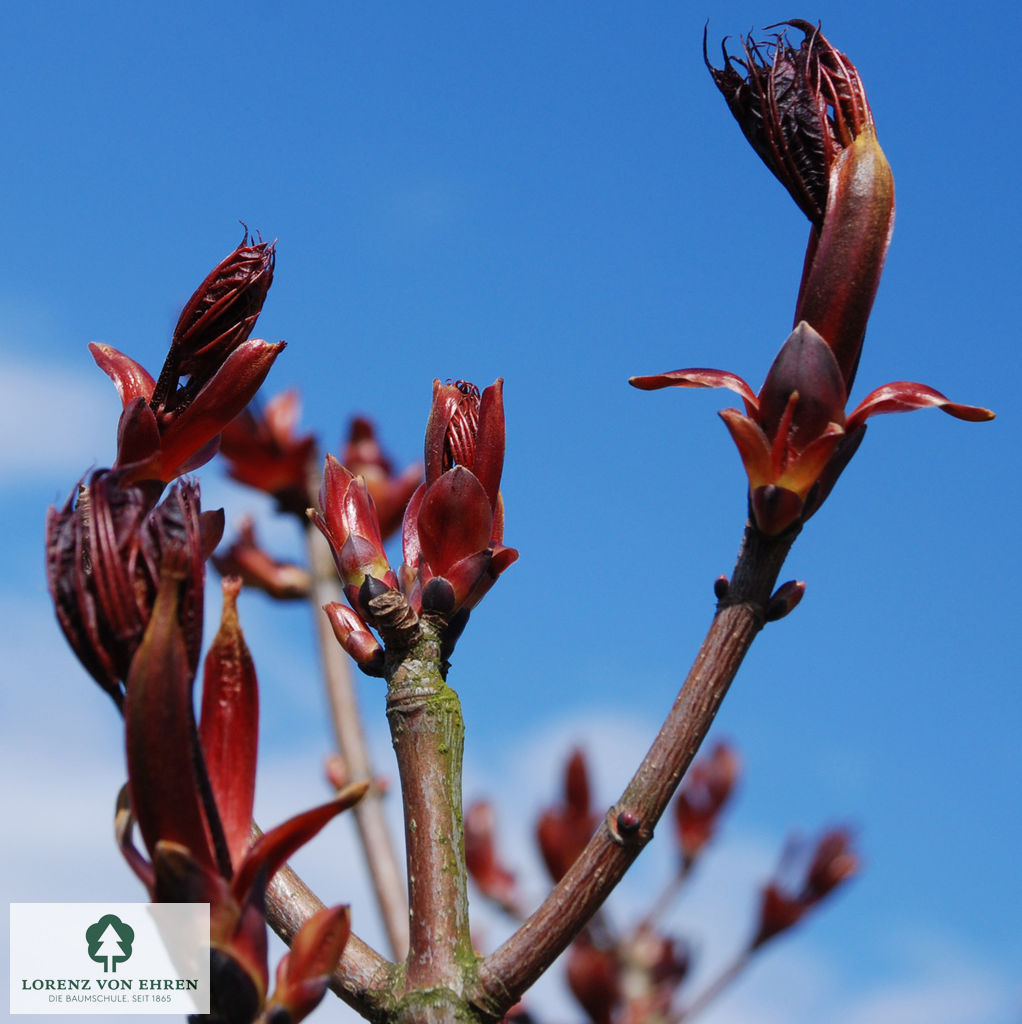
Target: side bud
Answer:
[[354, 636]]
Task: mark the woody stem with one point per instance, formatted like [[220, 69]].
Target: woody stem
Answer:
[[628, 826], [361, 975], [428, 733]]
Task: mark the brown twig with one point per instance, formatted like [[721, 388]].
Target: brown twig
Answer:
[[375, 837], [628, 826], [428, 732], [361, 976]]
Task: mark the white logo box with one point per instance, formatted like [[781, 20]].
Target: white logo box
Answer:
[[110, 958]]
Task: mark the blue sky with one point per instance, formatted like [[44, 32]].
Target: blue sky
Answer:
[[556, 194]]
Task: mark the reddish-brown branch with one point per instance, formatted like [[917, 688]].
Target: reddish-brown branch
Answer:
[[361, 976], [629, 824], [428, 734]]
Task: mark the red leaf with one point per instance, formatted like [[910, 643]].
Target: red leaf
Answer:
[[130, 378], [160, 733], [228, 391], [906, 396], [753, 446], [138, 438], [841, 281], [410, 545], [455, 519], [806, 366], [229, 725], [698, 377], [303, 974], [489, 457], [272, 849]]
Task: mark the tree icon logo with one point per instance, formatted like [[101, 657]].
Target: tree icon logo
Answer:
[[109, 942]]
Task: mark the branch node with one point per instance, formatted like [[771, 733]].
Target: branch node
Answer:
[[784, 600], [394, 617], [627, 828]]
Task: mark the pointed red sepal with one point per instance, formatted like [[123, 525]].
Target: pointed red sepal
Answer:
[[465, 575], [138, 435], [455, 519], [411, 547], [160, 731], [488, 463], [805, 365], [752, 444], [229, 725], [130, 378], [227, 392], [497, 533], [698, 377], [907, 396], [500, 558], [333, 500], [805, 468], [360, 557], [775, 509], [272, 849], [303, 974]]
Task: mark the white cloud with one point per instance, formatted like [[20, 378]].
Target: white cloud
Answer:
[[938, 981], [57, 421], [60, 782]]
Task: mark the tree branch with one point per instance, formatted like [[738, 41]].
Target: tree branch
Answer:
[[361, 975], [629, 824], [428, 733]]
